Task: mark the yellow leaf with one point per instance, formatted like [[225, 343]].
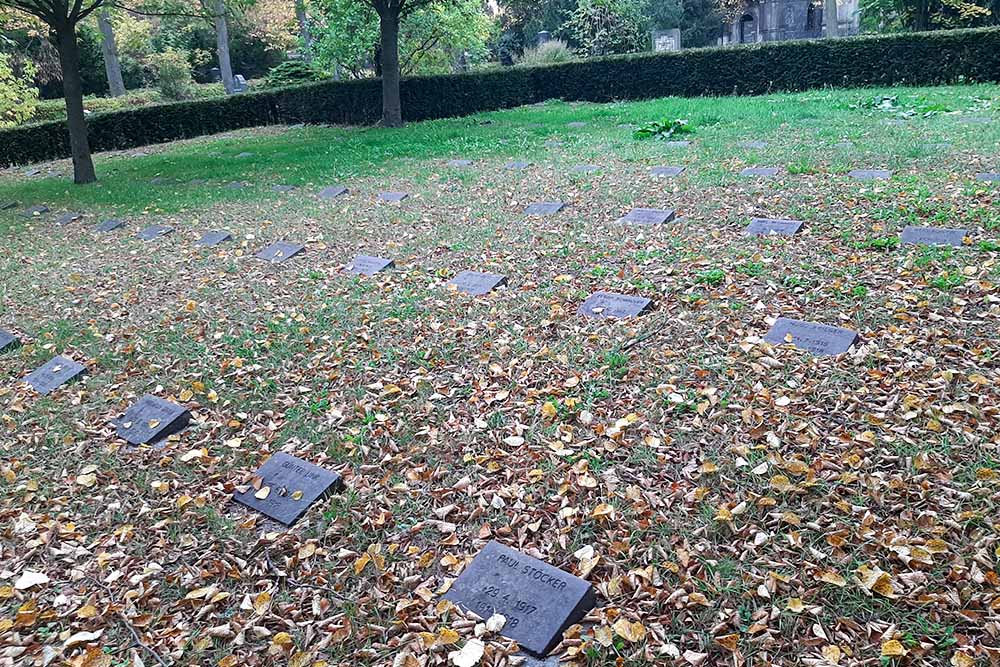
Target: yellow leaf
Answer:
[[795, 605], [262, 602], [282, 639], [892, 649], [447, 636], [698, 598], [831, 577], [87, 611], [228, 661], [729, 642], [549, 410], [960, 659], [832, 653], [708, 467], [633, 632], [723, 514], [603, 510], [360, 563], [604, 636]]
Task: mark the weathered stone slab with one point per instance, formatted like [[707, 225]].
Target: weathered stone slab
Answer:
[[7, 205], [761, 172], [544, 208], [585, 169], [610, 304], [53, 374], [108, 226], [8, 341], [538, 600], [151, 419], [393, 196], [517, 165], [989, 177], [34, 211], [820, 339], [772, 226], [553, 143], [282, 188], [368, 265], [476, 283], [648, 216], [332, 192], [666, 172], [235, 185], [870, 174], [279, 251], [576, 124], [155, 232], [754, 145], [244, 155], [913, 235], [285, 486], [213, 238], [459, 163], [68, 218], [160, 180]]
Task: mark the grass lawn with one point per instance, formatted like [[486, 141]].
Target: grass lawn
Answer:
[[732, 502]]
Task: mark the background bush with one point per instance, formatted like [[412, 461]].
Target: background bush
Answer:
[[173, 74], [292, 72], [552, 52]]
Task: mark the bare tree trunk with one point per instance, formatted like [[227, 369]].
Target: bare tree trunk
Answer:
[[222, 47], [304, 34], [392, 112], [111, 63], [832, 19], [76, 122]]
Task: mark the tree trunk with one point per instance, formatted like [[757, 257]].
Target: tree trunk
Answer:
[[76, 122], [304, 34], [832, 18], [392, 113], [222, 47], [111, 63]]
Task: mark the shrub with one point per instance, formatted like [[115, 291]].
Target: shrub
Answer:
[[552, 52], [292, 72], [18, 96], [663, 129], [173, 74]]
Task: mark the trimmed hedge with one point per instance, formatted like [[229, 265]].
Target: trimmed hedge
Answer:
[[913, 59]]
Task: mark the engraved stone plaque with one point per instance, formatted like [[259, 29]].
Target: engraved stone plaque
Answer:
[[67, 218], [279, 251], [476, 283], [585, 169], [610, 304], [538, 600], [459, 163], [291, 484], [213, 238], [54, 373], [151, 419], [666, 172], [393, 196], [109, 226], [8, 341], [282, 188], [820, 339], [515, 165], [933, 236], [993, 178], [761, 172], [576, 124], [7, 205], [870, 174], [771, 226], [332, 192], [368, 265], [648, 216], [34, 211], [544, 208], [754, 145], [155, 232], [683, 143]]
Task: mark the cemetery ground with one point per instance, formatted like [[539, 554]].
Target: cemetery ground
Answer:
[[732, 502]]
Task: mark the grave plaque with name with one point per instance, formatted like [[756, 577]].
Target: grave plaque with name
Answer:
[[517, 165], [769, 226], [610, 304], [282, 188], [151, 419], [53, 374], [544, 208], [459, 163], [155, 232], [538, 600], [585, 169], [820, 339], [279, 251], [332, 192], [285, 486], [765, 172], [666, 172], [108, 226], [213, 238], [368, 265], [35, 211], [7, 205], [666, 40], [8, 341], [67, 218], [933, 236], [476, 283], [870, 174], [993, 178], [648, 216], [753, 144], [393, 196]]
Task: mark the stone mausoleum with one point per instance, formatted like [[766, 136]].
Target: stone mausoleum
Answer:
[[777, 20]]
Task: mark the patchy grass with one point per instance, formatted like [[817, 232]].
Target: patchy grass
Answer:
[[739, 496]]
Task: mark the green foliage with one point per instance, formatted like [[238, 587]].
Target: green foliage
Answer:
[[904, 108], [552, 52], [711, 277], [18, 96], [603, 27], [663, 129], [903, 15], [884, 243], [292, 72], [49, 110], [173, 74]]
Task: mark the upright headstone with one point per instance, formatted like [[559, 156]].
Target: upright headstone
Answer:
[[213, 238], [67, 218], [279, 251], [53, 373], [933, 236], [285, 486], [870, 174], [538, 600], [542, 37], [368, 265], [544, 208], [666, 172], [240, 84], [771, 226], [154, 232], [34, 211], [215, 75], [151, 419], [648, 216], [108, 226], [760, 172], [666, 40], [8, 341], [332, 192], [611, 304], [393, 196], [475, 283], [820, 339]]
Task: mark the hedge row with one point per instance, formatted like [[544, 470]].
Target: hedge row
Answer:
[[915, 59]]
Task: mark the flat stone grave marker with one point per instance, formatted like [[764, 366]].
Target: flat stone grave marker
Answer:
[[368, 265], [279, 251], [544, 208], [108, 226], [151, 419], [576, 124], [53, 374], [682, 143], [459, 163], [995, 178], [666, 172], [475, 283], [67, 218], [975, 120], [282, 188], [611, 304], [34, 211], [753, 144], [765, 172], [517, 165], [538, 600], [585, 168], [913, 235], [553, 143], [844, 145], [160, 180], [7, 205], [213, 238], [285, 486], [870, 174], [154, 232], [393, 196], [769, 226], [235, 185], [820, 339], [648, 216], [244, 155], [332, 192], [8, 341], [197, 181]]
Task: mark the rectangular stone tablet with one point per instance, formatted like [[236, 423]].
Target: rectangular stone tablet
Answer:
[[544, 208], [994, 178], [870, 174], [54, 373], [610, 304], [538, 600], [155, 232], [213, 238], [108, 226], [753, 144], [576, 124], [677, 144], [648, 216], [7, 205], [285, 486], [34, 211], [8, 341], [517, 165], [476, 283], [282, 188], [151, 419], [393, 196], [666, 172], [772, 226], [368, 265], [279, 251], [585, 168], [764, 172], [332, 192], [933, 236], [459, 163], [820, 339], [235, 185], [67, 218]]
